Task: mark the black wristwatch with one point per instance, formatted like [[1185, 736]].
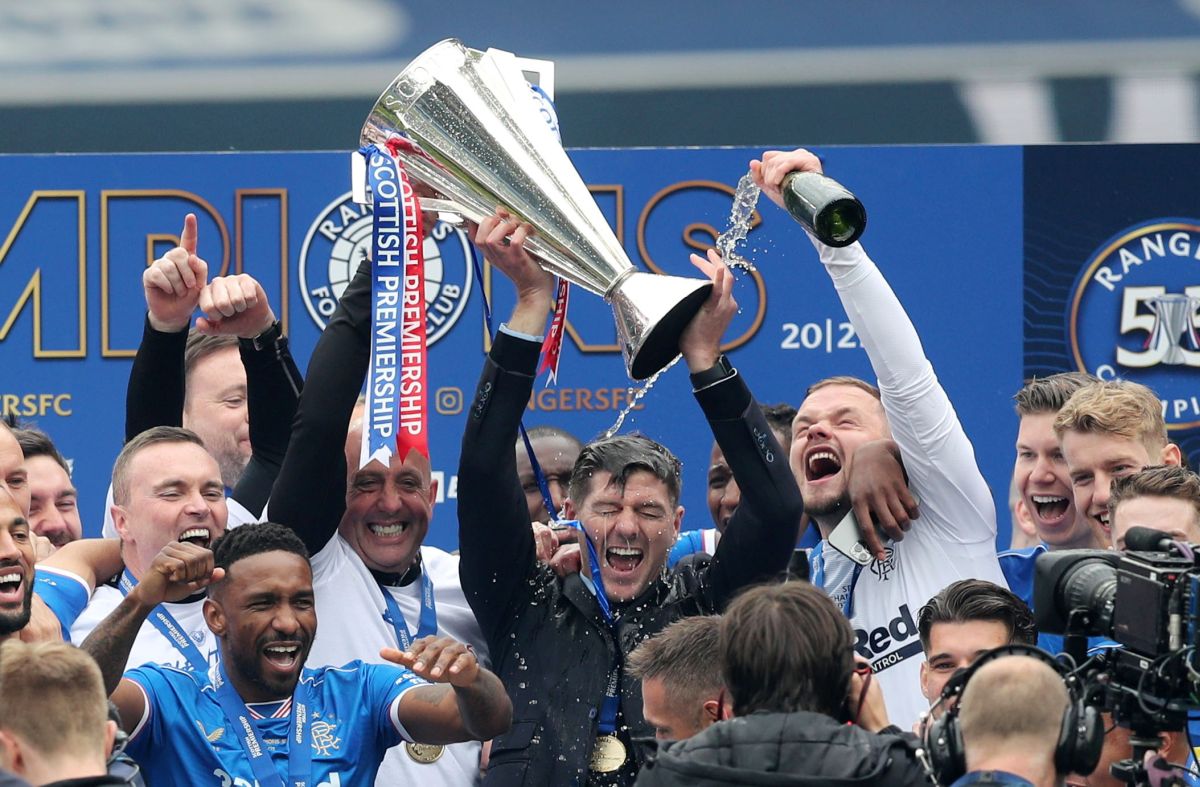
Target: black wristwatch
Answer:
[[719, 371], [268, 338]]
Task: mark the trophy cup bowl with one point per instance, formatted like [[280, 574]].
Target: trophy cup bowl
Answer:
[[479, 142]]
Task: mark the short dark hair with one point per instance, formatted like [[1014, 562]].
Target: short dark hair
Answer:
[[977, 599], [1048, 394], [786, 648], [35, 442], [152, 436], [1171, 481], [201, 345], [255, 539], [685, 656], [779, 418], [621, 456]]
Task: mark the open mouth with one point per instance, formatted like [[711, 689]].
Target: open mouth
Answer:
[[387, 529], [12, 585], [623, 559], [200, 536], [282, 655], [821, 464], [1103, 517], [1050, 509]]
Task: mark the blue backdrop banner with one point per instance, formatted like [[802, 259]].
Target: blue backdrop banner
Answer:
[[947, 227]]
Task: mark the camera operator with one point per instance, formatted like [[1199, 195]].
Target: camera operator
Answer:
[[1010, 716], [803, 713]]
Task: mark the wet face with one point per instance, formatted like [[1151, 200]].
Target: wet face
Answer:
[[831, 424], [556, 455], [1168, 515], [387, 508], [16, 566], [13, 476], [53, 512], [264, 615], [216, 410], [671, 719], [632, 528], [1095, 459], [955, 646], [175, 494], [1044, 485]]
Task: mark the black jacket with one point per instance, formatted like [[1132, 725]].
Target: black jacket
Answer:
[[785, 749], [548, 641]]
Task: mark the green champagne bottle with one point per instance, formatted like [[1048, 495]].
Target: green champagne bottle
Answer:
[[824, 207]]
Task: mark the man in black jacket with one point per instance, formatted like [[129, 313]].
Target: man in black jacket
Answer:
[[559, 643], [788, 655]]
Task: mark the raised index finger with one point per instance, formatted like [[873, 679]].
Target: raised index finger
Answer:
[[190, 235]]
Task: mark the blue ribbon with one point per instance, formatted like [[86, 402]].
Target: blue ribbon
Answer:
[[382, 417], [539, 475], [166, 624], [426, 625], [299, 735]]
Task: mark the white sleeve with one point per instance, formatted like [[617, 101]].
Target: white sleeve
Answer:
[[937, 454]]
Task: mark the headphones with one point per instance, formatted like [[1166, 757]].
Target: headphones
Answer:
[[1079, 740]]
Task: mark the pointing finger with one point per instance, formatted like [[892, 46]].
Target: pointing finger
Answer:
[[190, 235]]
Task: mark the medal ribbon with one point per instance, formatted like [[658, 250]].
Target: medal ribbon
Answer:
[[299, 735], [396, 379], [166, 624], [426, 625]]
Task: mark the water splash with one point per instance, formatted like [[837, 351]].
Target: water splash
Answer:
[[744, 201], [635, 396]]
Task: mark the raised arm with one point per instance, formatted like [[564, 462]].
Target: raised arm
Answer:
[[935, 448], [495, 540], [758, 542], [466, 702], [172, 285], [178, 571], [309, 495], [238, 306], [92, 560]]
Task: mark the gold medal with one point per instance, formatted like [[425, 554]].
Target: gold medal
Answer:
[[608, 754], [424, 753]]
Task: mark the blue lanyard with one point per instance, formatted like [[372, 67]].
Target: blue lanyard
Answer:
[[299, 734], [426, 625], [166, 624], [816, 564], [540, 476]]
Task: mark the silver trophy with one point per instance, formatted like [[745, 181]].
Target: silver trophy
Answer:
[[1174, 319], [481, 143]]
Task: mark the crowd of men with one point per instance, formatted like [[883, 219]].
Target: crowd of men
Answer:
[[616, 650]]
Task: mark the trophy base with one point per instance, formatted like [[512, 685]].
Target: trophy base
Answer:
[[652, 312]]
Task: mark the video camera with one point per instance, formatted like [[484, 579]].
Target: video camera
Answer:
[[1147, 599]]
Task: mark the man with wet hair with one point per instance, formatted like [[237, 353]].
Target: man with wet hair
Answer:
[[559, 644]]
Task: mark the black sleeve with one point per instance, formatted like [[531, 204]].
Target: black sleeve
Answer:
[[273, 385], [309, 495], [154, 396], [758, 543], [495, 539]]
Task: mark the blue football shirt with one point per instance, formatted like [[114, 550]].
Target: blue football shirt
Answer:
[[186, 739]]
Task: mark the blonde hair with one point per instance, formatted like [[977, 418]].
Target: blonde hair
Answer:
[[52, 697], [1014, 704], [1116, 407]]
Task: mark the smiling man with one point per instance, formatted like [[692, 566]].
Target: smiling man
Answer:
[[16, 567], [53, 499], [260, 715], [840, 418], [166, 488], [559, 644]]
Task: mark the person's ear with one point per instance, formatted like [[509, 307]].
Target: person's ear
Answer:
[[214, 616], [10, 753], [110, 737], [1171, 455], [712, 709], [569, 509]]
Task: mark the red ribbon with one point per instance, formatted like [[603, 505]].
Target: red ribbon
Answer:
[[412, 432], [552, 345]]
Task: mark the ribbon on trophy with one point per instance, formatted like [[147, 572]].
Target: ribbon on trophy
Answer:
[[397, 378], [552, 344]]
